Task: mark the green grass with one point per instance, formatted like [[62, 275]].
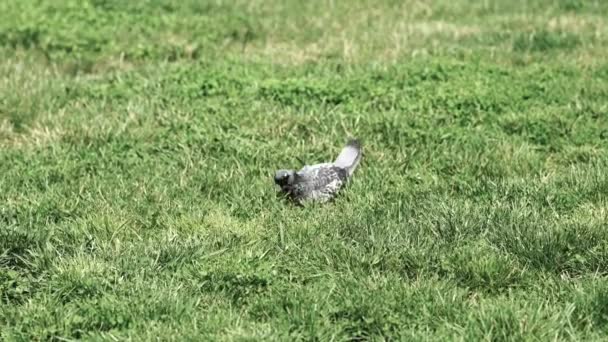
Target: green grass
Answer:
[[138, 142]]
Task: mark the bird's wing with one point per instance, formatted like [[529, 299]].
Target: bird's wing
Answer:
[[322, 177]]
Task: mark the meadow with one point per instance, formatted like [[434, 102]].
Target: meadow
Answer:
[[138, 140]]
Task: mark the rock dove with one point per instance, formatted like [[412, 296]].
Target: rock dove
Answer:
[[320, 182]]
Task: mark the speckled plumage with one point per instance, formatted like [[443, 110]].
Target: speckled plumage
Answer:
[[320, 182]]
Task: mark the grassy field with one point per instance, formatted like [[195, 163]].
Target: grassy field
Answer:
[[138, 140]]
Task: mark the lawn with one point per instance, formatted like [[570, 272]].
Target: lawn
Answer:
[[138, 141]]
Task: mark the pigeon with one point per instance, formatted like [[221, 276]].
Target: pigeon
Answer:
[[320, 182]]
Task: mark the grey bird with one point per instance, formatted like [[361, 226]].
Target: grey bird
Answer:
[[320, 182]]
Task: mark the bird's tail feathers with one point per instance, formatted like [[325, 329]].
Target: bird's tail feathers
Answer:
[[350, 156]]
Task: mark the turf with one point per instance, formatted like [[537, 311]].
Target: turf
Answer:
[[138, 141]]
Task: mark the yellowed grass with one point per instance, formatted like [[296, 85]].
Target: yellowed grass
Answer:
[[385, 41], [579, 24], [34, 137]]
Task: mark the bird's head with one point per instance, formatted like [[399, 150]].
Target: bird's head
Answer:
[[284, 178]]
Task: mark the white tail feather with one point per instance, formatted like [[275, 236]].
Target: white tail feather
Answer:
[[350, 156]]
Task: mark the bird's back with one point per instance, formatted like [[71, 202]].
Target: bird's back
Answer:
[[319, 182]]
